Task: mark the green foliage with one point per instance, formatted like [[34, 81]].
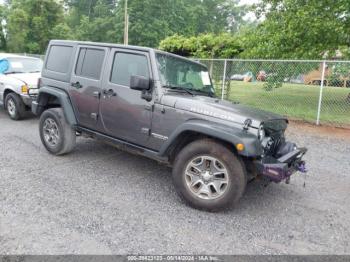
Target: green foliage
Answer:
[[154, 20], [92, 20], [299, 29], [3, 14], [31, 23], [223, 45]]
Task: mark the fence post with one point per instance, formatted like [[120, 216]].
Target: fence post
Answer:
[[321, 93], [223, 81]]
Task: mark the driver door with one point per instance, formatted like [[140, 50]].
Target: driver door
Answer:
[[124, 113]]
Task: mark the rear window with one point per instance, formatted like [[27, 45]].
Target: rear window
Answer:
[[90, 62], [59, 58]]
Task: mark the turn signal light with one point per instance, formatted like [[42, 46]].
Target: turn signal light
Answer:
[[24, 89], [240, 147]]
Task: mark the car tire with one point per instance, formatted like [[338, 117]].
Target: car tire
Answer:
[[56, 134], [223, 181], [14, 106]]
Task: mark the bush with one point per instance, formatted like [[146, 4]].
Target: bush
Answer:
[[203, 46]]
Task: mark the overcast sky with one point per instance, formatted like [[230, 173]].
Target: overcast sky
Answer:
[[249, 2]]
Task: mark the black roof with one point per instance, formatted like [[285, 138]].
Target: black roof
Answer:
[[112, 45]]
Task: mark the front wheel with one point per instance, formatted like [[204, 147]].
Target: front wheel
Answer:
[[56, 134], [208, 175], [14, 106]]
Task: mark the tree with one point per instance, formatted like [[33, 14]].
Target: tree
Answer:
[[92, 20], [31, 24], [299, 29], [3, 14], [154, 20]]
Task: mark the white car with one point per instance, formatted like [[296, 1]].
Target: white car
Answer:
[[19, 77]]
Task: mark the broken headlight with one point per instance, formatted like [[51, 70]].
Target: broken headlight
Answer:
[[261, 133]]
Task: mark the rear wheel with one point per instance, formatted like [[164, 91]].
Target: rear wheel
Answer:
[[14, 106], [209, 176], [56, 134]]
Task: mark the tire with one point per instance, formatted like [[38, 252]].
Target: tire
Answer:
[[230, 184], [14, 106], [56, 134]]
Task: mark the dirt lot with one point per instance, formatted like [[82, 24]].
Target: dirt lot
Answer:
[[99, 200]]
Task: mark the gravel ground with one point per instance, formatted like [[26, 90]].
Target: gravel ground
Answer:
[[98, 200]]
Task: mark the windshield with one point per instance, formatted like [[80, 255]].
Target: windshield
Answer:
[[177, 73], [23, 65]]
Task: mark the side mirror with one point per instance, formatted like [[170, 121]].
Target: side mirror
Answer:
[[140, 83]]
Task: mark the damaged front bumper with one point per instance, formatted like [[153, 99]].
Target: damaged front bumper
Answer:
[[279, 169]]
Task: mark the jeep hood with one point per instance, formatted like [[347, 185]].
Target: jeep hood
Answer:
[[31, 79], [221, 109]]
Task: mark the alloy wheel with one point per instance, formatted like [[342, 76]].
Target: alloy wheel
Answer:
[[11, 107], [51, 132], [206, 177]]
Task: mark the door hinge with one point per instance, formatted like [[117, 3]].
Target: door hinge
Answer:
[[149, 107], [146, 131], [94, 116]]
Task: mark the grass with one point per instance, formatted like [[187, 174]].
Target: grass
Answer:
[[296, 101]]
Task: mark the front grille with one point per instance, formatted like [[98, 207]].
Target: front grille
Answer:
[[274, 141]]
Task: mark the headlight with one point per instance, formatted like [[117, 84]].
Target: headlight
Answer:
[[261, 133]]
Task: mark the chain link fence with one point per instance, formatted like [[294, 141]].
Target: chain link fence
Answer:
[[312, 91], [309, 90]]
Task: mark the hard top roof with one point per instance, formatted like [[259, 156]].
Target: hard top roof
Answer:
[[62, 42], [112, 45]]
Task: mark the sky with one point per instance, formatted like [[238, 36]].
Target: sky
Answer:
[[249, 2], [250, 15]]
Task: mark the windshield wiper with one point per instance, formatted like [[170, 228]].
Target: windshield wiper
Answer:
[[210, 94], [179, 88], [14, 72]]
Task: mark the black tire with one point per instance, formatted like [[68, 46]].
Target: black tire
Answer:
[[66, 136], [14, 106], [237, 179]]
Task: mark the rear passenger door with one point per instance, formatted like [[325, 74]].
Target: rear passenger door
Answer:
[[86, 80]]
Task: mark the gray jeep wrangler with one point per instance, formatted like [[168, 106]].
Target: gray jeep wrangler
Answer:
[[161, 106]]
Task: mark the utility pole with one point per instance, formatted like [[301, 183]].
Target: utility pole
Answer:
[[126, 24]]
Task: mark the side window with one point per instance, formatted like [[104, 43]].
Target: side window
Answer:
[[89, 63], [59, 58], [125, 65]]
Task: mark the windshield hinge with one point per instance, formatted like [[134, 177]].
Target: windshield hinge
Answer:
[[247, 124]]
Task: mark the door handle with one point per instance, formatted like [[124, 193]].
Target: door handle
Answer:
[[77, 85], [109, 92]]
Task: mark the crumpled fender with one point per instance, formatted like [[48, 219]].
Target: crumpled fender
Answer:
[[232, 135], [39, 105]]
